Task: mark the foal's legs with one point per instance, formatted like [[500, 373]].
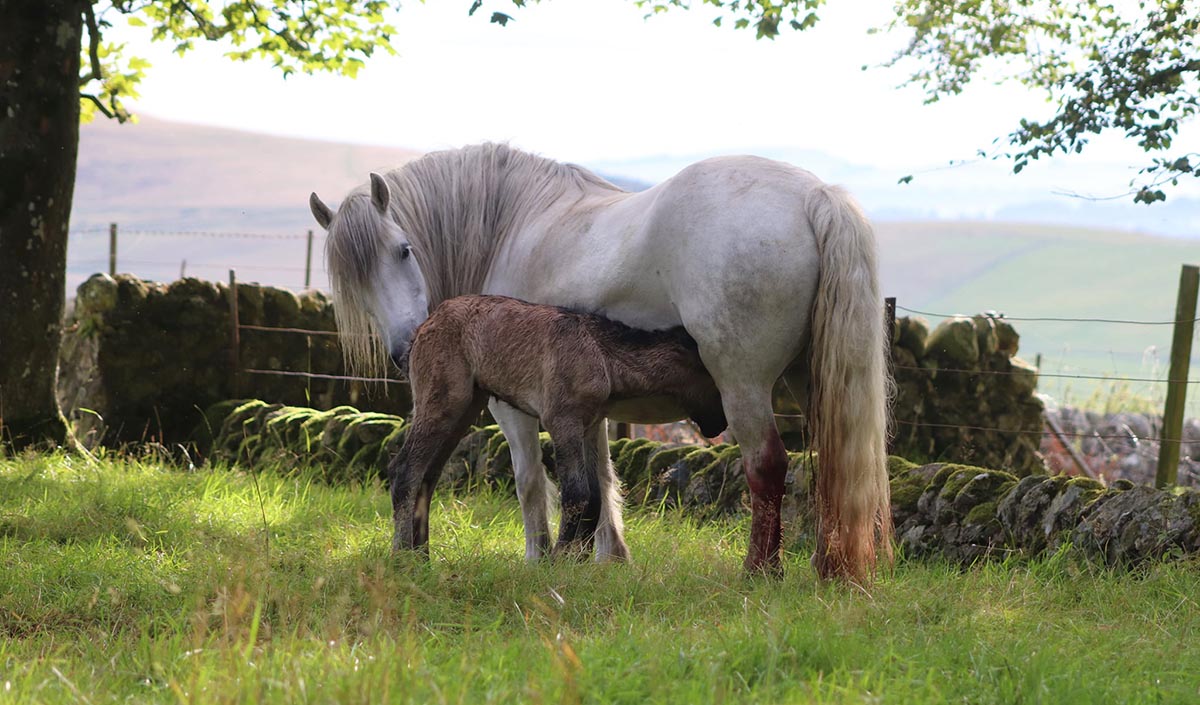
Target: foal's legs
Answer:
[[610, 532], [414, 471], [533, 487], [577, 464]]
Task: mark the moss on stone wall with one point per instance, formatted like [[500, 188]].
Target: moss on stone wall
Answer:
[[958, 512]]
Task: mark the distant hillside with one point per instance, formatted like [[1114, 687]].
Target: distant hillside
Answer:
[[1048, 271], [978, 190], [158, 174], [157, 179]]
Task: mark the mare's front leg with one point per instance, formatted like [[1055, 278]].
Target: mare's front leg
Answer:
[[533, 487], [579, 485]]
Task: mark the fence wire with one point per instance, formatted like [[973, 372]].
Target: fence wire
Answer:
[[1040, 374], [1053, 319], [317, 375], [913, 368]]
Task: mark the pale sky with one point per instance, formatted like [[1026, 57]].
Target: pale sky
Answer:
[[592, 80]]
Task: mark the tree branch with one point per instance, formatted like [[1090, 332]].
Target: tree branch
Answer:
[[285, 36], [211, 31], [99, 105], [93, 48]]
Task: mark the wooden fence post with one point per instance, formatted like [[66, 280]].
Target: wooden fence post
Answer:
[[308, 262], [889, 305], [1181, 353], [112, 249], [889, 308], [235, 343]]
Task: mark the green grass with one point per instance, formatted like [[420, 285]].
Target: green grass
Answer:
[[126, 581]]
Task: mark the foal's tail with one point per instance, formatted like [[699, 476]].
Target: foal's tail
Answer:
[[848, 413]]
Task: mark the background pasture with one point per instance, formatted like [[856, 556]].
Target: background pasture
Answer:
[[203, 200]]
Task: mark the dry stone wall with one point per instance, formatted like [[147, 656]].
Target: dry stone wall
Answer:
[[963, 396], [949, 511], [142, 359]]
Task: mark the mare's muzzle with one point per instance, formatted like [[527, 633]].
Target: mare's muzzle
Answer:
[[399, 357]]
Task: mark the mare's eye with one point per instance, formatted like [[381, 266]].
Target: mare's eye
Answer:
[[404, 252]]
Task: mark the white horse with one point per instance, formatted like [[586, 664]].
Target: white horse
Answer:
[[769, 269]]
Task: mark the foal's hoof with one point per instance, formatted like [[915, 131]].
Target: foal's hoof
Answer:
[[765, 567], [409, 552]]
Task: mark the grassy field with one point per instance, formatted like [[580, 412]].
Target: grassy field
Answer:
[[125, 581], [1058, 272]]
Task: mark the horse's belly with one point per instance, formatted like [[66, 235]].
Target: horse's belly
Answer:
[[657, 409]]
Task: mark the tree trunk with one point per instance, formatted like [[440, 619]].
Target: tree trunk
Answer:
[[39, 140]]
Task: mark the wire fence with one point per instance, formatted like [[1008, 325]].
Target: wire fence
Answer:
[[1055, 319], [1045, 432], [138, 250], [277, 267]]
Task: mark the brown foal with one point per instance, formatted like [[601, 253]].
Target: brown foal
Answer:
[[567, 368]]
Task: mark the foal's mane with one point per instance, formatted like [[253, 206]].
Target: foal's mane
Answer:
[[457, 208]]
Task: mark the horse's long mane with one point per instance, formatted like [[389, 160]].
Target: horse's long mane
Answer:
[[457, 208]]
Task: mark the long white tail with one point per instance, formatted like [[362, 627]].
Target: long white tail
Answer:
[[848, 416]]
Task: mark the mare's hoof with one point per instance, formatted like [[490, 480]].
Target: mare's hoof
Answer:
[[576, 551], [614, 556]]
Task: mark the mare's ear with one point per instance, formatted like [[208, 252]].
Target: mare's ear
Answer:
[[379, 192], [320, 211]]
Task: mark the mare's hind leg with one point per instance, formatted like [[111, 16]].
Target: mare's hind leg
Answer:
[[577, 464], [533, 487], [764, 461], [414, 471]]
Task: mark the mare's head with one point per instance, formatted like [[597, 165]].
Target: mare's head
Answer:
[[379, 292]]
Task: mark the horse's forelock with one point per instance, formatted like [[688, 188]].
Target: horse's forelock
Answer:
[[352, 249]]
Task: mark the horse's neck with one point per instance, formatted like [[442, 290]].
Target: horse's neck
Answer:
[[565, 254]]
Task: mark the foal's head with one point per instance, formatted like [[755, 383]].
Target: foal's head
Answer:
[[671, 358], [375, 278], [696, 390]]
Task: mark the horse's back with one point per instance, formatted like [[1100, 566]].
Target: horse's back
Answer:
[[741, 197], [743, 257]]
